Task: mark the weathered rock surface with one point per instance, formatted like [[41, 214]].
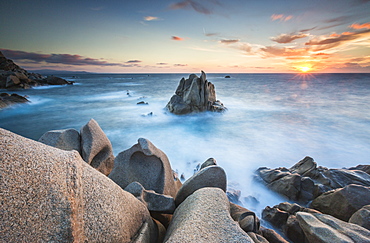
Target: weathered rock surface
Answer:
[[14, 77], [67, 139], [343, 202], [247, 219], [147, 165], [365, 168], [272, 236], [11, 99], [52, 195], [361, 217], [155, 202], [305, 181], [96, 149], [322, 228], [194, 95], [210, 176], [204, 217]]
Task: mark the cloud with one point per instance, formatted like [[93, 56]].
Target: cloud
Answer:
[[66, 59], [281, 17], [150, 18], [287, 38], [229, 41], [195, 5], [360, 26], [335, 39], [133, 61], [283, 51], [180, 65], [162, 63], [176, 38]]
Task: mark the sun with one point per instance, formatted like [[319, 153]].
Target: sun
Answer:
[[304, 69]]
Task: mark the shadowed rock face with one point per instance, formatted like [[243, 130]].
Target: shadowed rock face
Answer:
[[194, 95], [52, 195], [147, 165]]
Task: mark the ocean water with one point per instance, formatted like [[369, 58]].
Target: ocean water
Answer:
[[272, 120]]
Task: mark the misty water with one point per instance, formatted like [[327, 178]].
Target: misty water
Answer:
[[272, 120]]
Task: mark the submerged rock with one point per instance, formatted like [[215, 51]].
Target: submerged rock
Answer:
[[194, 95]]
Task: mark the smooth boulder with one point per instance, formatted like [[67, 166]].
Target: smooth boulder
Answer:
[[52, 195], [96, 149], [210, 176], [322, 228], [361, 217], [67, 139], [147, 165], [204, 217]]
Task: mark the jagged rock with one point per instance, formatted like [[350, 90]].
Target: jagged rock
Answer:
[[204, 217], [342, 203], [154, 201], [52, 195], [11, 99], [147, 165], [275, 216], [361, 217], [365, 168], [233, 195], [14, 77], [257, 238], [322, 228], [67, 139], [211, 176], [305, 181], [194, 95], [96, 148]]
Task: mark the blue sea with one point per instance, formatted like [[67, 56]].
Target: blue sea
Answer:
[[272, 120]]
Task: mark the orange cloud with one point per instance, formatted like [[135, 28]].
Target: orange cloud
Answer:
[[150, 18], [360, 26], [176, 38], [281, 17], [287, 38]]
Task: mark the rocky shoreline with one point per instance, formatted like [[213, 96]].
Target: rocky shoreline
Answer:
[[13, 77], [69, 187]]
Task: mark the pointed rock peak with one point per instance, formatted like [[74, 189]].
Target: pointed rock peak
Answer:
[[203, 76]]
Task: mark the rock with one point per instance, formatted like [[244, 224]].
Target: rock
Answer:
[[361, 217], [304, 181], [52, 195], [351, 198], [275, 216], [365, 168], [67, 139], [12, 81], [11, 99], [211, 176], [142, 103], [293, 230], [233, 195], [208, 162], [322, 228], [272, 236], [194, 95], [96, 148], [257, 238], [52, 80], [154, 201], [227, 76], [204, 217], [247, 219], [147, 165]]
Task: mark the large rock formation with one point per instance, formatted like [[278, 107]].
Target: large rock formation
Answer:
[[194, 95], [52, 195], [305, 180], [14, 77], [11, 99], [147, 165], [204, 217]]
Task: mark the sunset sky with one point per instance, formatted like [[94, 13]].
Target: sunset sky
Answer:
[[160, 36]]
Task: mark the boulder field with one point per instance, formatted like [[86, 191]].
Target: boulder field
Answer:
[[69, 187]]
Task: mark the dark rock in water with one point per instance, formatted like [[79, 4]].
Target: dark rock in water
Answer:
[[14, 77], [11, 99], [227, 76], [305, 180], [142, 103], [194, 95]]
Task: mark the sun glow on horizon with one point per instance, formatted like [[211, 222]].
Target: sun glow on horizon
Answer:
[[304, 69]]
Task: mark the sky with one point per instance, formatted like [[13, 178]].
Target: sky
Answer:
[[182, 36]]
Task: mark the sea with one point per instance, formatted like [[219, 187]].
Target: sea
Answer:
[[272, 120]]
